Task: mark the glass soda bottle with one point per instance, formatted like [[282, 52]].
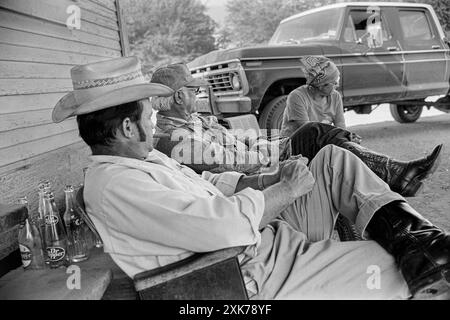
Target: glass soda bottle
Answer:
[[41, 209], [55, 235], [30, 242], [76, 228]]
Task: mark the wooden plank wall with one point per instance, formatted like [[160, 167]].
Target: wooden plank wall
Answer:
[[37, 51]]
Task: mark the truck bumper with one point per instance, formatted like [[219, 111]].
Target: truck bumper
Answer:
[[224, 105]]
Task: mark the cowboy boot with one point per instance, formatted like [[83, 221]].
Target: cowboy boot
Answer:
[[405, 178], [421, 250]]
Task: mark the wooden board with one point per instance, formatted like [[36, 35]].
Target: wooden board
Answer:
[[19, 120], [51, 284], [37, 51], [122, 30], [10, 218], [62, 166], [36, 147], [31, 86], [14, 137], [109, 4], [9, 241], [26, 39], [32, 70], [31, 102], [16, 21], [19, 53], [57, 12]]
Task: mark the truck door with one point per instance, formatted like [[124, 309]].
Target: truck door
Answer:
[[370, 75], [424, 52]]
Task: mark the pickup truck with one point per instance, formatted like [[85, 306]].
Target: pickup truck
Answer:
[[394, 53]]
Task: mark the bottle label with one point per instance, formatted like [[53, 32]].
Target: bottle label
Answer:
[[56, 253], [25, 253], [51, 220]]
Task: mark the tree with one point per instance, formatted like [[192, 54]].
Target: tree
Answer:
[[165, 31], [254, 22]]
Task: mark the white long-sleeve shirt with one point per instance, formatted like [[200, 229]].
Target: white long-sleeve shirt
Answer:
[[154, 212]]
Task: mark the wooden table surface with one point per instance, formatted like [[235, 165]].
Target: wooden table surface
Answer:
[[59, 284]]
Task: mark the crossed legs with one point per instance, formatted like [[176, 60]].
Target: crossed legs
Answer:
[[297, 259]]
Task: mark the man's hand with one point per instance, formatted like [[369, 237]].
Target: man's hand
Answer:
[[296, 176]]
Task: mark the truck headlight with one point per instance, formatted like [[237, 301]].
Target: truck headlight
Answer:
[[235, 82]]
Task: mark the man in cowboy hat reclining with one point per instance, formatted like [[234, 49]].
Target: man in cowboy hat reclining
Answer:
[[177, 119], [151, 211]]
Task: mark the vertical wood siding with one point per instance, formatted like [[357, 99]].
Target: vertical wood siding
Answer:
[[37, 51]]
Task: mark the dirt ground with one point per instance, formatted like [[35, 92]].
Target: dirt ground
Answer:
[[411, 141]]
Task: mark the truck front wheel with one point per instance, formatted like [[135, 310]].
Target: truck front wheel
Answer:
[[272, 115], [406, 114]]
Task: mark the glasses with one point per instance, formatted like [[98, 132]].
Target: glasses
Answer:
[[195, 90]]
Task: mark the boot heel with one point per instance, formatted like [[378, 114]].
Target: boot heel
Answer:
[[437, 291], [438, 285]]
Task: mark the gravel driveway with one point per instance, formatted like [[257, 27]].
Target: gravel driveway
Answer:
[[414, 140]]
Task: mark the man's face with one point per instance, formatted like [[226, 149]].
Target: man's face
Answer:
[[327, 88], [190, 97], [145, 127]]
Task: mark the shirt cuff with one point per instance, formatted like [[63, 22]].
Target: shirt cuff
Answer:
[[226, 182], [252, 204]]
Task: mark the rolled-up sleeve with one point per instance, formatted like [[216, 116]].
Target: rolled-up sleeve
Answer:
[[226, 182], [204, 222]]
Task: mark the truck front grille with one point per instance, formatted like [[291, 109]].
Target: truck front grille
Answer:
[[220, 82], [219, 77]]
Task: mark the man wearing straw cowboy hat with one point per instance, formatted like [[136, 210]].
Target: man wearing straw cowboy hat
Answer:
[[151, 211]]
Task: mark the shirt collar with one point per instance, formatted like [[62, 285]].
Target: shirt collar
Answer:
[[153, 156]]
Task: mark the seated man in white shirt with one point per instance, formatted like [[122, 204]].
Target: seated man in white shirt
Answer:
[[151, 211]]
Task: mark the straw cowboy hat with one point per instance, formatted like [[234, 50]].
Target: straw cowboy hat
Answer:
[[106, 84]]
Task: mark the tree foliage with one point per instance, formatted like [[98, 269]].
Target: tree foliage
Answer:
[[164, 31], [253, 22]]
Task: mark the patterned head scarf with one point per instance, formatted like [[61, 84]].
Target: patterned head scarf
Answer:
[[319, 70]]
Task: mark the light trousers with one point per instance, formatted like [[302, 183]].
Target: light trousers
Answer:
[[297, 259]]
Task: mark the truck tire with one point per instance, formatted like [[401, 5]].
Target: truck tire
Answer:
[[406, 114], [272, 115]]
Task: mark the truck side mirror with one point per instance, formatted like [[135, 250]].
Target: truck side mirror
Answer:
[[374, 35]]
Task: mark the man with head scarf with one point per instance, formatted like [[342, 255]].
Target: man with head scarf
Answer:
[[317, 100]]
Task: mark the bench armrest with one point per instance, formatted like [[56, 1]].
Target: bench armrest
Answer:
[[213, 275]]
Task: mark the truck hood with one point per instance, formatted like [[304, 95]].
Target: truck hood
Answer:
[[260, 52]]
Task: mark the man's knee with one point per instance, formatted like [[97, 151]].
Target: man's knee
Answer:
[[331, 151]]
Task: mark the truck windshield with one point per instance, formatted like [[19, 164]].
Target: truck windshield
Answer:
[[322, 25]]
